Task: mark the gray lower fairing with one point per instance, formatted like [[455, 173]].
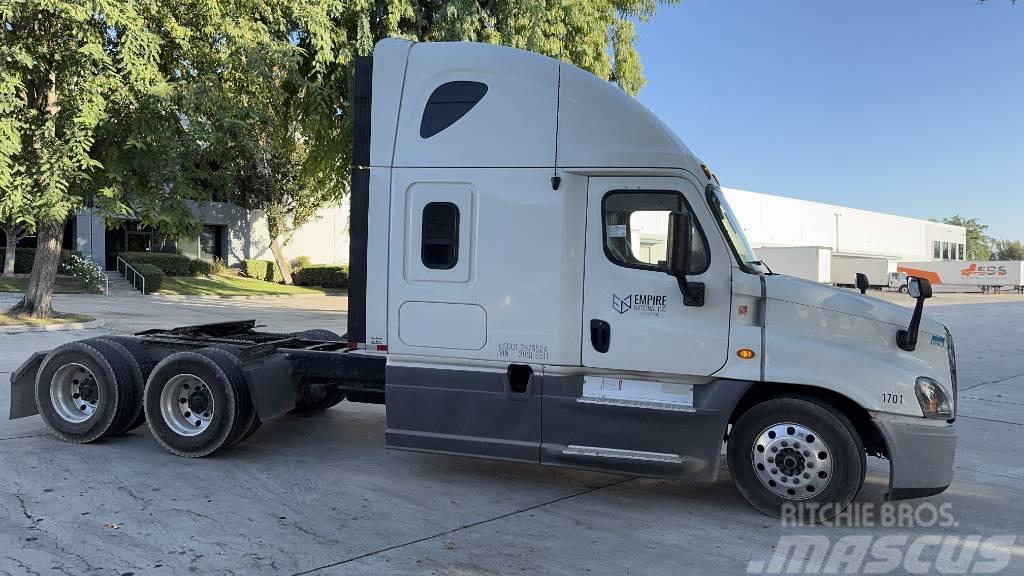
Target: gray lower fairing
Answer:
[[476, 413]]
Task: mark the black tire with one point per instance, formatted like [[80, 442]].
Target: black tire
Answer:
[[232, 368], [222, 391], [141, 365], [904, 289], [319, 334], [845, 450], [316, 398], [109, 399]]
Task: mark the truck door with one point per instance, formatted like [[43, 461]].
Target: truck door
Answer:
[[634, 318], [644, 405]]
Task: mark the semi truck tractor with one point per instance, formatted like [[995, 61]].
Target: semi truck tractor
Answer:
[[879, 271], [502, 306]]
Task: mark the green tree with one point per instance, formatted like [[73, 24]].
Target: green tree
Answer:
[[978, 243], [65, 65], [1008, 250]]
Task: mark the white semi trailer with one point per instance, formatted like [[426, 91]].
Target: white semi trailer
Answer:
[[500, 307], [812, 263], [984, 274], [879, 270]]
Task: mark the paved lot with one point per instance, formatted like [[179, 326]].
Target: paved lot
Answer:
[[322, 495]]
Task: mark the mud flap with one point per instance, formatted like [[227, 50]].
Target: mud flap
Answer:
[[23, 387]]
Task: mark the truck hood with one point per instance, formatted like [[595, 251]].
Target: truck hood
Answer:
[[844, 301]]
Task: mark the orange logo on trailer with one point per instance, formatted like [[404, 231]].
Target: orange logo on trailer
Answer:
[[975, 270]]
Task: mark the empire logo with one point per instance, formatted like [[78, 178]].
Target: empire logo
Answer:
[[641, 303]]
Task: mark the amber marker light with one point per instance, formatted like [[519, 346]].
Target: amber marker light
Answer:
[[745, 353]]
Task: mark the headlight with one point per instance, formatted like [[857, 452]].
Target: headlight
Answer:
[[935, 403]]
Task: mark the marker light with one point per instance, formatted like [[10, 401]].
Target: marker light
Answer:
[[707, 171], [745, 353]]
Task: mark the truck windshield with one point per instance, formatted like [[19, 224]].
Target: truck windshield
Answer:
[[733, 231]]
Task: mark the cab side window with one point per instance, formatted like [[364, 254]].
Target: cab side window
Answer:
[[636, 229], [440, 242]]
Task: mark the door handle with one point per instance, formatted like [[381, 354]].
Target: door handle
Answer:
[[600, 335]]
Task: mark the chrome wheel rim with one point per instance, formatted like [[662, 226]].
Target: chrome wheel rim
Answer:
[[186, 405], [74, 393], [792, 461]]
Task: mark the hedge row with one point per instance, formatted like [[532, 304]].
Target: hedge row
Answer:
[[261, 270], [323, 275], [23, 258], [154, 276], [169, 264]]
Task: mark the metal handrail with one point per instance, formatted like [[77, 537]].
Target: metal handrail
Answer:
[[135, 274]]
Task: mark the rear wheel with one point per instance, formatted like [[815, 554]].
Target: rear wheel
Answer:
[[193, 407], [793, 451], [140, 366], [83, 391]]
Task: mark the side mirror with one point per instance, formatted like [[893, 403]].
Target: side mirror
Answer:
[[677, 254], [678, 250], [862, 282], [919, 289]]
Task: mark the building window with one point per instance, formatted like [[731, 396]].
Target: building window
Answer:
[[440, 249], [448, 103], [945, 250], [936, 249], [636, 230], [960, 252]]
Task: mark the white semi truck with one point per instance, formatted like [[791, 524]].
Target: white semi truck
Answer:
[[500, 307]]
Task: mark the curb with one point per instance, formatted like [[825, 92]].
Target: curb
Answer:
[[237, 296], [54, 327]]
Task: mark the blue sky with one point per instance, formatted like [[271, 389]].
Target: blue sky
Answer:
[[913, 107]]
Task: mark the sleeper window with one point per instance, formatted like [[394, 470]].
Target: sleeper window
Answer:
[[448, 103], [440, 235], [636, 230]]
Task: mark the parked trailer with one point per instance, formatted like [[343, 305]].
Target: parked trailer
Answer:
[[812, 263], [503, 307], [989, 275], [878, 270]]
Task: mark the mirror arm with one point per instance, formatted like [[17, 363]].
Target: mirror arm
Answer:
[[907, 339], [693, 292]]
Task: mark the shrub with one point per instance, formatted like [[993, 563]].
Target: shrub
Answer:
[[301, 262], [221, 267], [154, 276], [200, 267], [23, 258], [262, 270], [323, 275], [170, 264], [86, 271]]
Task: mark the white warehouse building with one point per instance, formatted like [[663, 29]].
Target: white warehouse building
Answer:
[[776, 221]]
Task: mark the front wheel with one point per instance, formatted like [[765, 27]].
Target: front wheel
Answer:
[[796, 452], [903, 289]]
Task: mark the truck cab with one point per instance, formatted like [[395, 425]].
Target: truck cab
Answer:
[[525, 277]]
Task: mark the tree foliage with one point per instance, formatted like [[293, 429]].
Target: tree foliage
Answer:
[[1008, 250]]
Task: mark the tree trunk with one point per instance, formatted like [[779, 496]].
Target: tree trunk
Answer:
[[282, 262], [275, 228], [12, 243], [38, 300]]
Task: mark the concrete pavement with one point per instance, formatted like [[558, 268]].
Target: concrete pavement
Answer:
[[321, 495]]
